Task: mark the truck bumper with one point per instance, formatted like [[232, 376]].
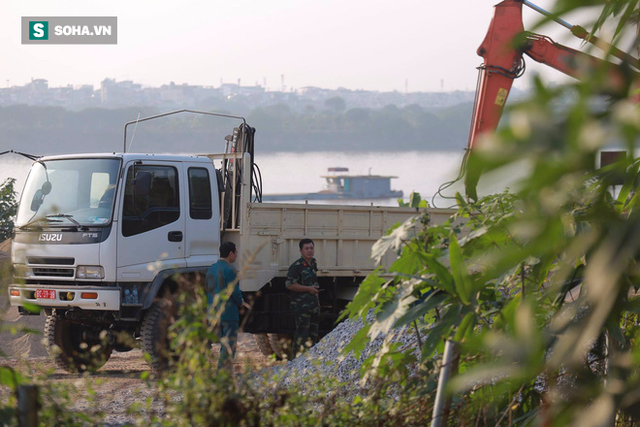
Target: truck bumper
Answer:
[[84, 297]]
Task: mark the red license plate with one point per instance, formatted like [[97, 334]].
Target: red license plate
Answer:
[[45, 293]]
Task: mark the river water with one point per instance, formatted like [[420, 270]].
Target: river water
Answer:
[[418, 171], [422, 172]]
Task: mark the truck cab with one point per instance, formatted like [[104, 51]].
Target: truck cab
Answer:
[[98, 236]]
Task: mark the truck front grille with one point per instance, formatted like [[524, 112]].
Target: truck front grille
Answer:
[[53, 272], [50, 261]]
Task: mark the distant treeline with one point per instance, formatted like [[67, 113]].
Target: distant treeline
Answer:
[[52, 130]]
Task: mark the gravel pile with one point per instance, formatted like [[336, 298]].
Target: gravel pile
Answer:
[[325, 360]]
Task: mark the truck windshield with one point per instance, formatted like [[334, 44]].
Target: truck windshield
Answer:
[[69, 193]]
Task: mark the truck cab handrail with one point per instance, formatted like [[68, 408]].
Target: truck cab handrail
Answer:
[[170, 113]]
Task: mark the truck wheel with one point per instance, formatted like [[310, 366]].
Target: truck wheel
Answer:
[[155, 338], [75, 347], [280, 343], [262, 341]]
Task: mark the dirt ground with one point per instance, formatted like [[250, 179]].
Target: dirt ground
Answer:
[[117, 384], [29, 345], [131, 362]]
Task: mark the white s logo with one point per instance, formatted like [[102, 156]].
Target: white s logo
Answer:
[[38, 30]]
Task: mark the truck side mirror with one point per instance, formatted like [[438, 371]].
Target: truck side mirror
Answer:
[[37, 200], [46, 187], [142, 184]]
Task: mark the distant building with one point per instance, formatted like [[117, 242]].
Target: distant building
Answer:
[[125, 93], [118, 94], [38, 85]]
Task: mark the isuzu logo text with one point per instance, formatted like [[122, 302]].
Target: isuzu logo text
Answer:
[[50, 237], [69, 30]]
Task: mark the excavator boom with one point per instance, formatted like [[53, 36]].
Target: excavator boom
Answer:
[[502, 50], [502, 64]]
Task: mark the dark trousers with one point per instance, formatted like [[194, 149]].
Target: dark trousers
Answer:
[[306, 333], [228, 341]]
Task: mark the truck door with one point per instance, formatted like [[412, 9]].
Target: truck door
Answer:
[[151, 232], [203, 219]]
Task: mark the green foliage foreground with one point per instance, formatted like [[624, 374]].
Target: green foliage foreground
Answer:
[[539, 286]]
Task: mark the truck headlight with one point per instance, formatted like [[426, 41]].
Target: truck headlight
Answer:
[[89, 272]]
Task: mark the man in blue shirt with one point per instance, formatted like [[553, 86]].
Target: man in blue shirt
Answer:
[[222, 280]]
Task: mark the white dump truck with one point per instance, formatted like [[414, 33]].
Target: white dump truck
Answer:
[[103, 241]]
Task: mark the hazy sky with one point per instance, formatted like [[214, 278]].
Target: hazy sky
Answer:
[[356, 44]]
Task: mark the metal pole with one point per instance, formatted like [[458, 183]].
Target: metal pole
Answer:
[[206, 113], [449, 366], [27, 405], [548, 14], [583, 34]]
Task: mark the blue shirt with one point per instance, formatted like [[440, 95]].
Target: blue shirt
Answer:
[[219, 276]]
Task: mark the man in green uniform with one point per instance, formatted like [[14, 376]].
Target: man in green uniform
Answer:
[[302, 281], [220, 276]]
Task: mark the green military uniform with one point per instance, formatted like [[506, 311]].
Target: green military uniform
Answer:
[[305, 306]]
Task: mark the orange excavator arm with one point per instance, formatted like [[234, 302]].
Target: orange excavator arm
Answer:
[[502, 50], [502, 64]]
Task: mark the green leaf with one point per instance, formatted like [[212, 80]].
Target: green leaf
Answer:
[[442, 274], [411, 261], [364, 299], [420, 309], [628, 187], [439, 333], [466, 327], [483, 374], [395, 239], [9, 377], [414, 200], [358, 342], [393, 310], [463, 285], [32, 308]]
